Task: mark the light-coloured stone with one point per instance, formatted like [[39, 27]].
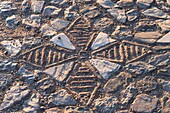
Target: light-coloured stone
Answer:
[[12, 22], [155, 12], [119, 14], [37, 6], [125, 3], [102, 39], [165, 25], [105, 3], [168, 1], [61, 98], [33, 21], [63, 41], [165, 38], [60, 72], [144, 3], [59, 24], [144, 104], [12, 47], [48, 10], [132, 14], [105, 68]]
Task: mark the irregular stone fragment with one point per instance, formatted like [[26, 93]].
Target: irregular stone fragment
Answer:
[[163, 5], [165, 38], [7, 65], [16, 94], [47, 30], [60, 72], [125, 3], [48, 10], [118, 82], [33, 21], [33, 104], [149, 37], [165, 84], [5, 79], [118, 14], [54, 110], [63, 41], [165, 25], [105, 3], [90, 11], [56, 1], [144, 3], [105, 68], [29, 42], [121, 32], [102, 39], [107, 104], [122, 111], [74, 109], [155, 12], [61, 98], [7, 8], [12, 47], [128, 94], [132, 14], [12, 22], [144, 103], [37, 6], [71, 13], [104, 24], [139, 68], [166, 104], [59, 24], [26, 5]]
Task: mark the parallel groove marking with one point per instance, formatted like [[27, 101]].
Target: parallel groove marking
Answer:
[[37, 54], [81, 87], [50, 54], [83, 81], [126, 52], [43, 56], [121, 51], [132, 50], [30, 56], [54, 56]]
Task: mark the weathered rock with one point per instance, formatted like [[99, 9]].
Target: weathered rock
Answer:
[[148, 37], [74, 109], [48, 31], [146, 26], [7, 8], [61, 98], [105, 68], [33, 21], [118, 82], [12, 22], [121, 32], [90, 11], [122, 111], [102, 39], [165, 38], [163, 5], [5, 79], [37, 6], [147, 84], [165, 25], [7, 66], [63, 41], [12, 47], [165, 84], [29, 42], [165, 104], [118, 14], [125, 3], [48, 10], [132, 14], [15, 94], [144, 103], [26, 5], [56, 1], [60, 72], [46, 84], [139, 68], [106, 104], [104, 24], [54, 110], [144, 3], [155, 12], [59, 24], [105, 3], [128, 94], [71, 13], [33, 104]]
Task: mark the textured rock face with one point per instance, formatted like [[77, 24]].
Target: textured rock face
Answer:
[[144, 103], [61, 98]]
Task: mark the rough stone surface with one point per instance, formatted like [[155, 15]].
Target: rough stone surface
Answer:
[[139, 68], [15, 94], [48, 10], [144, 103], [144, 3], [37, 6], [59, 24], [132, 14], [106, 3], [61, 98], [106, 104], [105, 68], [7, 66], [12, 22]]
